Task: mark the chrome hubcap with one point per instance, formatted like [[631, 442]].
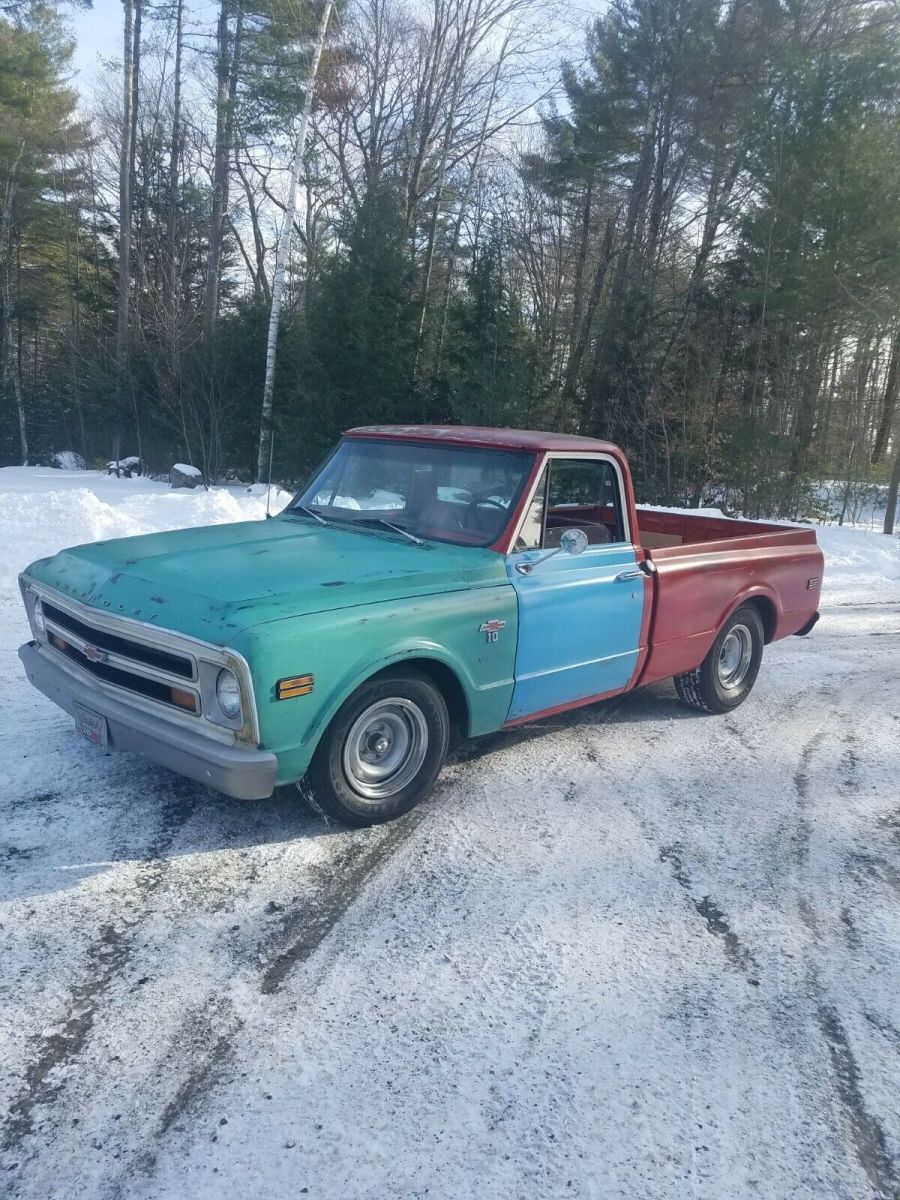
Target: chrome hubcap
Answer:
[[735, 654], [385, 748]]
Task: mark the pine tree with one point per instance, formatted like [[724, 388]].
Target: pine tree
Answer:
[[38, 136]]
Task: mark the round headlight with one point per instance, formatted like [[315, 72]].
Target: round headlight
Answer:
[[38, 614], [228, 694]]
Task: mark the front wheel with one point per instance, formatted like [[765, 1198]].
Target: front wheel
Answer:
[[382, 751], [726, 676]]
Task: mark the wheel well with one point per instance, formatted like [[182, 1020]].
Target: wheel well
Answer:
[[767, 613], [447, 682]]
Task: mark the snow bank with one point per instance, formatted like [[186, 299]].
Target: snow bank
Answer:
[[43, 510], [861, 566]]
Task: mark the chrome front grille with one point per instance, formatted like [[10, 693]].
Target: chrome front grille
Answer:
[[163, 676], [162, 670], [138, 652]]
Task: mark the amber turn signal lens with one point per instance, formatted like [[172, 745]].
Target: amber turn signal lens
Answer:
[[295, 685], [183, 699], [59, 643]]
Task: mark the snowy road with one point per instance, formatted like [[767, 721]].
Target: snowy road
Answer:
[[631, 953]]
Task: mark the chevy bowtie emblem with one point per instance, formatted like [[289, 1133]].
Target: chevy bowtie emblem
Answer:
[[94, 654], [491, 629]]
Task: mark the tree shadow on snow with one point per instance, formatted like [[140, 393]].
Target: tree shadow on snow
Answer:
[[141, 813]]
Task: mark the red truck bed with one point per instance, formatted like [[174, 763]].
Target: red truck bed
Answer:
[[704, 566]]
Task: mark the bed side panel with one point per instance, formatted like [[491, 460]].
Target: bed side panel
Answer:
[[698, 586]]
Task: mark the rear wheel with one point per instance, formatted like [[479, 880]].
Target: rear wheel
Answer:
[[726, 676], [383, 750]]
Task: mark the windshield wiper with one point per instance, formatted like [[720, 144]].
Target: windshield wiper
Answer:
[[308, 512], [388, 525]]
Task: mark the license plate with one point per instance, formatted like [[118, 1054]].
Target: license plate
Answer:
[[91, 725]]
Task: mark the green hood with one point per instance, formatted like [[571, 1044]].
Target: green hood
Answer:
[[213, 582]]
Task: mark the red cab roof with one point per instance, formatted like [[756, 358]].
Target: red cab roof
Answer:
[[495, 439]]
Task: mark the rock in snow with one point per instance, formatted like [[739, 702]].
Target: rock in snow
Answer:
[[68, 460], [182, 475], [124, 467]]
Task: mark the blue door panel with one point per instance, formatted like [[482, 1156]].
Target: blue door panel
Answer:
[[579, 626]]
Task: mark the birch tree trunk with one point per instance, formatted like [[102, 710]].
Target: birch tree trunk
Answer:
[[174, 157], [8, 358], [137, 211], [14, 371], [171, 289], [461, 214], [461, 56], [227, 70], [889, 404], [126, 155], [284, 245], [891, 510]]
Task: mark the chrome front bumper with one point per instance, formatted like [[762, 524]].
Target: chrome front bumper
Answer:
[[239, 772]]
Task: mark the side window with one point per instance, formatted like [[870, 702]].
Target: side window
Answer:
[[584, 494], [532, 531]]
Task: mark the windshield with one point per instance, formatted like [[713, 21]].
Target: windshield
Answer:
[[451, 493]]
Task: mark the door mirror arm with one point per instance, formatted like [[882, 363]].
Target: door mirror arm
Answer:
[[572, 541]]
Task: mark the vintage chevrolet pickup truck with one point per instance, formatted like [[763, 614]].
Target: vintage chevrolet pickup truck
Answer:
[[426, 577]]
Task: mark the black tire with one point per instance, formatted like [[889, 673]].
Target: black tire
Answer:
[[353, 778], [710, 688]]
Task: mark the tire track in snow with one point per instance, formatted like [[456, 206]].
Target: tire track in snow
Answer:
[[802, 829], [203, 1044], [106, 957], [884, 1027], [338, 884], [209, 1036], [739, 955], [867, 1135], [706, 907], [861, 863]]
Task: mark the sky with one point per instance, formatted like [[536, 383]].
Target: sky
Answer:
[[98, 34], [98, 30]]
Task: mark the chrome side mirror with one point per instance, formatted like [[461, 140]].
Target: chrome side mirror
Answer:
[[572, 541]]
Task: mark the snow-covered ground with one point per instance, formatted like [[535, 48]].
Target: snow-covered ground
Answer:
[[632, 952]]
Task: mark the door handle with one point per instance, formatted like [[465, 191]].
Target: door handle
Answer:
[[635, 574]]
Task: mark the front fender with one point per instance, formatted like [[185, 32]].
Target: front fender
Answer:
[[344, 647]]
